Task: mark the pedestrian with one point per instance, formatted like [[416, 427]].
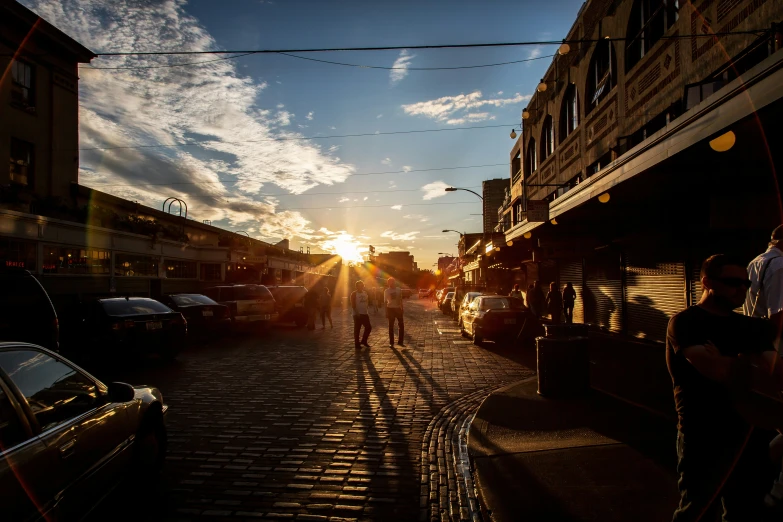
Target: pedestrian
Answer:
[[554, 303], [569, 299], [459, 294], [516, 292], [360, 303], [311, 302], [535, 299], [392, 298], [326, 307], [765, 295], [723, 462]]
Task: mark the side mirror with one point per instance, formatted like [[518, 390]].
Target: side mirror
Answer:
[[121, 392]]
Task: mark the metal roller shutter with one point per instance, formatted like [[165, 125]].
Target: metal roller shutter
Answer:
[[695, 284], [655, 291], [603, 297], [571, 272]]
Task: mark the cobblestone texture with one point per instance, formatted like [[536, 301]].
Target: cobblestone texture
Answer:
[[291, 424]]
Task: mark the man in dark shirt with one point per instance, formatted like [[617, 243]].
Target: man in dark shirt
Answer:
[[712, 352]]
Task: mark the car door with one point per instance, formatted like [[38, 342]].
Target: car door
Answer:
[[83, 434]]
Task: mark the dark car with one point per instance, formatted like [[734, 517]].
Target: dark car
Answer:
[[204, 316], [247, 303], [445, 304], [132, 326], [26, 312], [290, 304], [67, 439], [499, 318]]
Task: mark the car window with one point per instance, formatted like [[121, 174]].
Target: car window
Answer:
[[253, 292], [474, 305], [55, 392], [192, 299], [134, 307], [11, 430], [501, 303]]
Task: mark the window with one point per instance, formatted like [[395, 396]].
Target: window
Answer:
[[547, 138], [519, 215], [530, 158], [134, 307], [22, 155], [516, 167], [23, 85], [55, 392], [600, 164], [11, 430], [210, 272], [17, 254], [192, 299], [181, 269], [600, 75], [130, 265], [649, 20], [569, 112], [60, 260]]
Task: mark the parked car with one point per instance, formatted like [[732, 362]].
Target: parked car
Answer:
[[26, 312], [67, 439], [463, 305], [423, 292], [445, 304], [204, 316], [290, 304], [247, 303], [499, 318], [443, 293], [130, 326]]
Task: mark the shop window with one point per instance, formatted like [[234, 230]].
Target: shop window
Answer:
[[530, 158], [569, 112], [22, 155], [62, 260], [176, 269], [547, 138], [129, 265], [23, 85], [648, 22], [601, 75], [17, 254], [210, 272]]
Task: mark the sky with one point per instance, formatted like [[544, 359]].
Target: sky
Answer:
[[253, 143]]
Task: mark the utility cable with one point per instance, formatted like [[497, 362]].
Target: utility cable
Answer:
[[418, 68]]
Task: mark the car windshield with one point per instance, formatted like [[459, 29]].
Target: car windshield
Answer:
[[192, 299], [253, 292], [450, 295], [500, 303], [134, 307]]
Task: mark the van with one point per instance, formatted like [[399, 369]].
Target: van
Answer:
[[26, 312], [247, 303]]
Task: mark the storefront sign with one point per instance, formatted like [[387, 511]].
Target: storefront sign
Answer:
[[537, 211]]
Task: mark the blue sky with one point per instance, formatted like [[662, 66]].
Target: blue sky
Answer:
[[315, 192]]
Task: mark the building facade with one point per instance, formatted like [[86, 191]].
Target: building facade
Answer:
[[494, 192]]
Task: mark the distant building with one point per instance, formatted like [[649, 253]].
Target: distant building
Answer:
[[395, 262], [444, 262], [493, 191]]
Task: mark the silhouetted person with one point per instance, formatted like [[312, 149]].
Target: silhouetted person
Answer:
[[711, 352], [569, 298], [536, 300], [360, 306], [516, 292], [311, 302], [765, 295], [392, 298], [554, 303], [326, 307]]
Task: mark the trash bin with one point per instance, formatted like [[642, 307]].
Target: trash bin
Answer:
[[563, 361]]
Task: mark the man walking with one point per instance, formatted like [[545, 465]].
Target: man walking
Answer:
[[536, 299], [765, 296], [311, 301], [516, 292], [569, 298], [711, 353], [360, 303], [554, 303], [392, 298]]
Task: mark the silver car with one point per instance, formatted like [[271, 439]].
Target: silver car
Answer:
[[66, 439]]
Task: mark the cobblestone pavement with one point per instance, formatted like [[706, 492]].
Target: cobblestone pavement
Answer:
[[294, 424]]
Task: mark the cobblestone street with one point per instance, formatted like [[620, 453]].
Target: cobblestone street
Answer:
[[294, 424]]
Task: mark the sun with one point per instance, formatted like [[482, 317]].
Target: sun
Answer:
[[344, 246]]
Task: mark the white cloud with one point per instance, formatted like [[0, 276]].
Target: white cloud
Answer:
[[396, 207], [535, 52], [379, 116], [392, 184], [280, 105], [343, 199], [394, 236], [400, 66], [434, 190], [365, 198], [333, 127], [226, 115], [420, 217], [310, 115], [386, 161], [462, 108], [407, 168]]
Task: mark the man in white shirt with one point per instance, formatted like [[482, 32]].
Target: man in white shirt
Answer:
[[765, 296], [392, 297], [360, 303]]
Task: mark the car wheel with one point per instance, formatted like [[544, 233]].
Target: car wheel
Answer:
[[149, 447], [477, 338]]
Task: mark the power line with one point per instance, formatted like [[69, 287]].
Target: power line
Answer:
[[297, 138], [418, 68], [88, 67]]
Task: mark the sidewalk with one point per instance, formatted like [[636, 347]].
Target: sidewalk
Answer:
[[589, 459]]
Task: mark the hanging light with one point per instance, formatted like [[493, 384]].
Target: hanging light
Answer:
[[510, 243], [604, 198], [525, 113], [513, 134], [553, 221], [541, 86], [564, 49], [723, 142], [527, 235]]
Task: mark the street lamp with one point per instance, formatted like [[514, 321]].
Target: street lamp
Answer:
[[449, 230], [452, 189], [445, 254]]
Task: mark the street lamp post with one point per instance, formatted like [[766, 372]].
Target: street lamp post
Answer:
[[450, 230], [452, 189]]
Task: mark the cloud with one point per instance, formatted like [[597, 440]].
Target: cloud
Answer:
[[407, 168], [379, 116], [343, 199], [228, 118], [434, 190], [394, 236], [392, 184], [400, 67], [421, 217], [535, 52], [365, 198], [462, 108], [310, 115], [396, 207], [386, 161]]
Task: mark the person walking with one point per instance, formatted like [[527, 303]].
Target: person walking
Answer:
[[392, 298], [569, 299], [554, 303], [326, 307], [712, 354], [765, 295], [516, 292], [536, 299], [360, 306], [311, 301]]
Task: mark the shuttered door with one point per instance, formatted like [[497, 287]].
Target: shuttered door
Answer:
[[695, 284], [571, 272], [603, 296], [655, 291]]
